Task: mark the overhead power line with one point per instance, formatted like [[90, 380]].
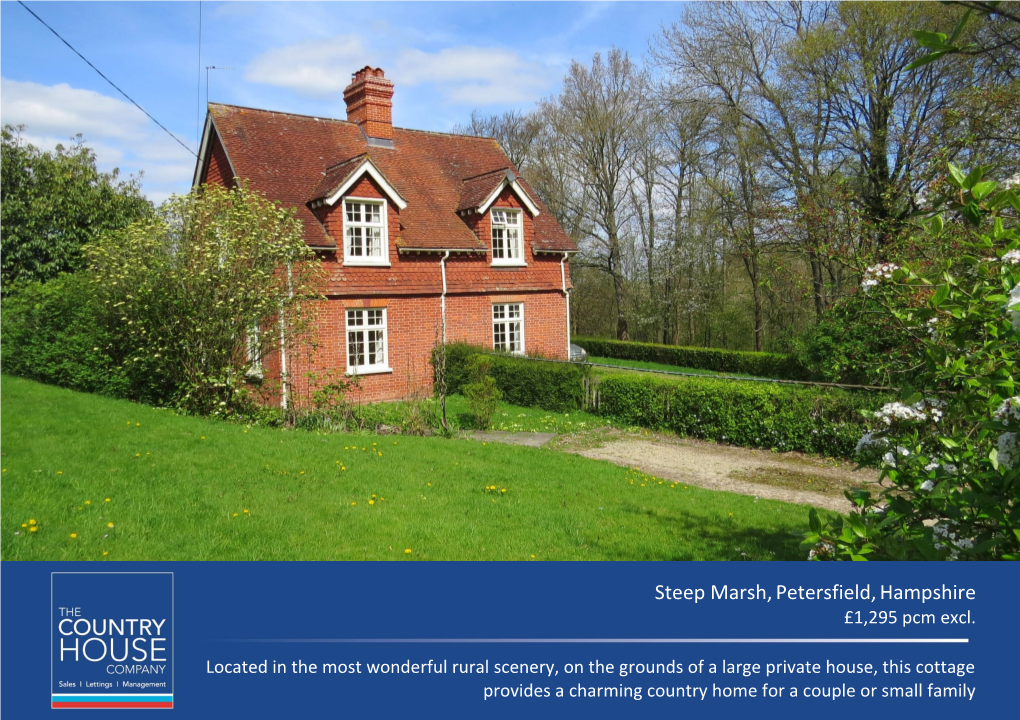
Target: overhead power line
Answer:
[[113, 84]]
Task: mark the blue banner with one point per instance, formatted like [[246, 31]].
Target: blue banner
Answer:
[[383, 640]]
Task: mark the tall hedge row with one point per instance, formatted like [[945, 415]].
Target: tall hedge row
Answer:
[[767, 365], [552, 386], [827, 421], [52, 333]]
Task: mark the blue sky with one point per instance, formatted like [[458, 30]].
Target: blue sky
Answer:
[[445, 59]]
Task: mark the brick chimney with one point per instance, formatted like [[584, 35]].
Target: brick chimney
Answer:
[[369, 100]]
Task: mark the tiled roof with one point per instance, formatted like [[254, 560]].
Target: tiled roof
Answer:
[[335, 176], [478, 189], [296, 158]]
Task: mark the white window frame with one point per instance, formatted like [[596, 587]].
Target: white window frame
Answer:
[[505, 321], [253, 352], [380, 366], [516, 260], [382, 260]]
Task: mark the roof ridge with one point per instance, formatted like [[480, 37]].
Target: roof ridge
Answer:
[[447, 134], [281, 112], [344, 162], [489, 172]]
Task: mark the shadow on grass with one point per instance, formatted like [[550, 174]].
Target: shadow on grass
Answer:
[[723, 539]]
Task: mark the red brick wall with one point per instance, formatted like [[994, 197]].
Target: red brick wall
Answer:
[[218, 169]]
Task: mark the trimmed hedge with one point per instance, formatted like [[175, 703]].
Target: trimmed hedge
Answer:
[[558, 387], [827, 421], [52, 333], [767, 365]]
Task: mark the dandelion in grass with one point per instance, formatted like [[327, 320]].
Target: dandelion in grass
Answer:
[[31, 522], [246, 511], [74, 535], [354, 502], [407, 551], [105, 553], [107, 500], [110, 525], [371, 502], [60, 472], [88, 502], [203, 437], [34, 528], [235, 515]]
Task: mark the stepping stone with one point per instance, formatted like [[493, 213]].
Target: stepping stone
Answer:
[[530, 439]]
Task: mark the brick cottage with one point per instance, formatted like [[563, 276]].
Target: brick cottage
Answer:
[[417, 231]]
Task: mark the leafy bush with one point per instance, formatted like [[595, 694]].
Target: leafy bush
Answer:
[[52, 333], [559, 387], [749, 414], [196, 294], [843, 345], [482, 394], [949, 447], [52, 203], [768, 365]]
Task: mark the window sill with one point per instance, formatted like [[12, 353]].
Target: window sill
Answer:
[[508, 264], [368, 371], [349, 262]]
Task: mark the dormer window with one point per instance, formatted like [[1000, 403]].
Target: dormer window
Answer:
[[506, 237], [365, 236]]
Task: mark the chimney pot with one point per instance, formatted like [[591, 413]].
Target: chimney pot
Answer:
[[369, 100]]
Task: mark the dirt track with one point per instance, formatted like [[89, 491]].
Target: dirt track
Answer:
[[790, 477]]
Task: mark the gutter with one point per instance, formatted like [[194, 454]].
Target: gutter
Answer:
[[566, 294], [284, 382], [442, 300]]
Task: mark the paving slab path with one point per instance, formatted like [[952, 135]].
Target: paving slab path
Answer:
[[790, 477]]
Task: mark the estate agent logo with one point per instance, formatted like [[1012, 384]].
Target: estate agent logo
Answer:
[[112, 640]]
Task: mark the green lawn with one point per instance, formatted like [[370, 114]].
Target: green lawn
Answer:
[[642, 365], [112, 480]]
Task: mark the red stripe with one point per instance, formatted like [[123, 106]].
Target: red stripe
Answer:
[[56, 704]]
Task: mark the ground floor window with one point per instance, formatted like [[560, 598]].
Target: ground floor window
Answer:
[[508, 327], [366, 340]]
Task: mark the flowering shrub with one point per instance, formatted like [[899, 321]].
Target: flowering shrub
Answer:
[[947, 450], [199, 293]]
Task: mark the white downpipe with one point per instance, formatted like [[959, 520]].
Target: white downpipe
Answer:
[[284, 382], [566, 294], [442, 300]]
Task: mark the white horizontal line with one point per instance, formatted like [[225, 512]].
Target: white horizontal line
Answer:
[[602, 640]]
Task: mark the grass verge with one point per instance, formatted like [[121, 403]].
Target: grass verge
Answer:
[[103, 479]]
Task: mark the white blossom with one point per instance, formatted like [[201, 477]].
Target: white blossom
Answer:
[[890, 457], [870, 442], [927, 485], [1009, 450], [876, 273], [899, 411], [822, 548], [1009, 411], [946, 538], [1012, 257], [1014, 302]]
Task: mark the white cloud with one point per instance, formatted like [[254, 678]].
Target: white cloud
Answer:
[[64, 110], [314, 68], [119, 133], [474, 75], [464, 75]]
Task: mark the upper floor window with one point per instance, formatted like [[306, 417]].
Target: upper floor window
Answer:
[[508, 327], [365, 236], [506, 237], [366, 341]]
